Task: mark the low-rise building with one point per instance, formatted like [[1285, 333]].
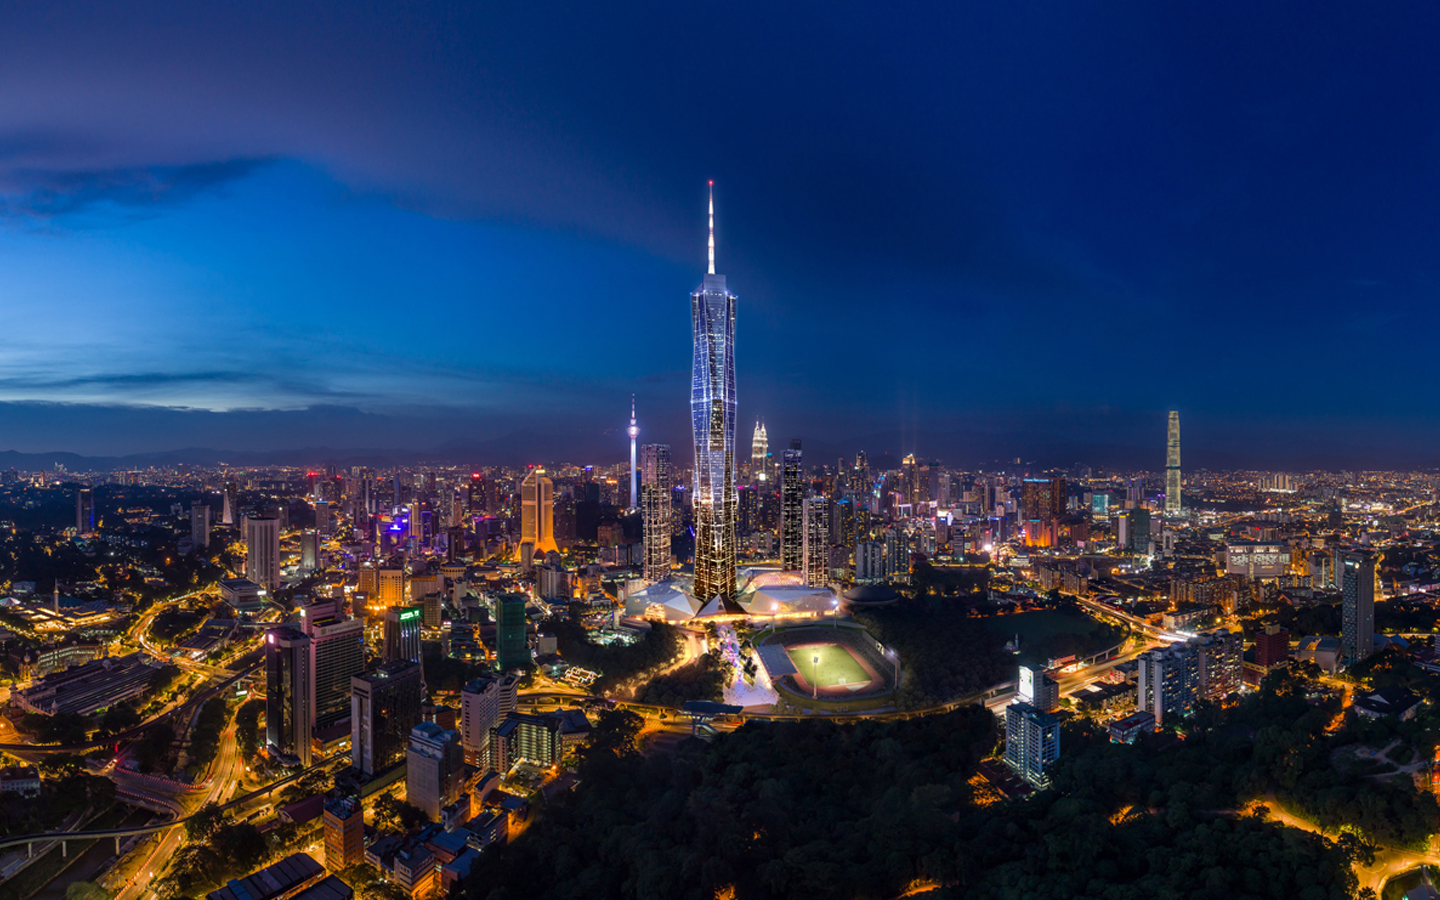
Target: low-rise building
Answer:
[[243, 595], [1124, 731], [88, 688], [1388, 702], [280, 880], [22, 780]]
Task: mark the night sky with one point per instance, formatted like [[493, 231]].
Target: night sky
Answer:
[[969, 231]]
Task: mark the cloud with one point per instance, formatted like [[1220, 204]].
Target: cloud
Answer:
[[178, 383], [40, 193]]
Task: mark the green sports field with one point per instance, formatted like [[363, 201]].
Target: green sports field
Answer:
[[837, 667]]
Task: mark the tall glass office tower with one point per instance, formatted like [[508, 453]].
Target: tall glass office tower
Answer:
[[1172, 465], [712, 413]]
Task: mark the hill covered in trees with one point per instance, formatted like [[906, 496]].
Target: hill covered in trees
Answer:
[[875, 809]]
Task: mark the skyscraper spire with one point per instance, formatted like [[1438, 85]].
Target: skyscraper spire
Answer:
[[712, 416]]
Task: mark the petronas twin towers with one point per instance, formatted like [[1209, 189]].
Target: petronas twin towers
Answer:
[[712, 416]]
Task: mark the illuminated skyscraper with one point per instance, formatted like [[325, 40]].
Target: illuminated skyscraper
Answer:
[[85, 511], [634, 432], [792, 511], [759, 455], [337, 652], [289, 693], [1172, 466], [262, 551], [537, 511], [1355, 574], [512, 640], [401, 633], [909, 479], [712, 413], [384, 705], [816, 557], [199, 525], [655, 506], [435, 768]]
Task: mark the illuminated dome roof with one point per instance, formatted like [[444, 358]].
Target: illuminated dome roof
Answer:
[[788, 599]]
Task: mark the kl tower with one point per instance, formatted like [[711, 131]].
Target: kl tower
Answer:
[[634, 432]]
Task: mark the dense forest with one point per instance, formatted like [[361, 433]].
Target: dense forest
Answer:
[[875, 809], [944, 652], [703, 679]]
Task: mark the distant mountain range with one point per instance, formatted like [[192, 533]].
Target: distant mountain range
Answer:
[[958, 449]]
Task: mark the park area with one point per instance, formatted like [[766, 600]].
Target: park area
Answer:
[[1054, 633]]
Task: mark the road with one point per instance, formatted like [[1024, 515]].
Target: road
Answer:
[[1389, 861], [197, 698], [225, 776], [140, 634]]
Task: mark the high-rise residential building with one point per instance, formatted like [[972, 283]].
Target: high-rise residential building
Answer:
[[1032, 742], [337, 653], [1169, 682], [1038, 689], [512, 641], [484, 703], [384, 705], [199, 525], [289, 689], [537, 511], [842, 525], [344, 820], [1221, 660], [655, 510], [897, 554], [760, 455], [869, 562], [815, 562], [402, 633], [85, 510], [634, 432], [1043, 498], [792, 509], [712, 417], [262, 551], [1355, 575], [1172, 466], [434, 769]]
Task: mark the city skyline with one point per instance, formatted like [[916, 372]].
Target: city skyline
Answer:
[[1086, 541], [173, 270]]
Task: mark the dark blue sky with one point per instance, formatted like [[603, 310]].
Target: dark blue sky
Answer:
[[967, 230]]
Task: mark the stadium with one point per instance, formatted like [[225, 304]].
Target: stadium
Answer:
[[823, 665]]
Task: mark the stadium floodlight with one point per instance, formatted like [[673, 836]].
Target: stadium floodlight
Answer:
[[815, 685]]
